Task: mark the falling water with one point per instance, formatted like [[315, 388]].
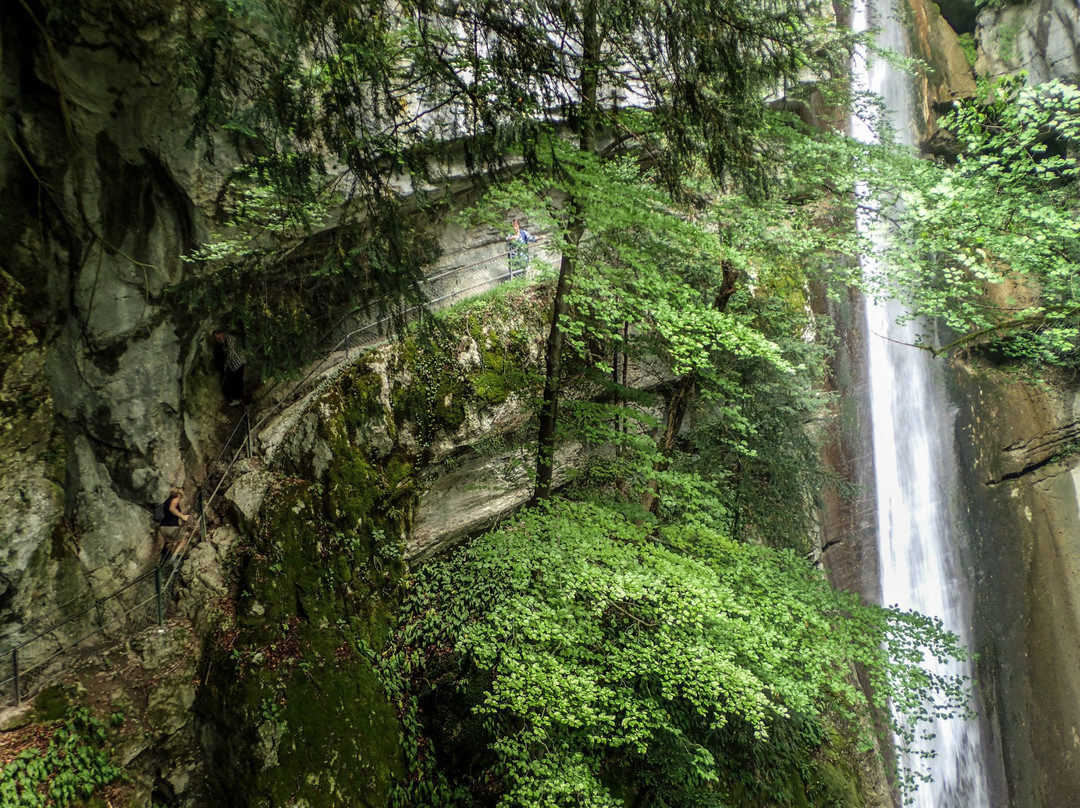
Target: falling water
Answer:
[[913, 458]]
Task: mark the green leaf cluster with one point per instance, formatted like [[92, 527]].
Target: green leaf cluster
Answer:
[[644, 302], [72, 766], [602, 658], [990, 244]]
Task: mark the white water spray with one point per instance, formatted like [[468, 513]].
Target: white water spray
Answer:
[[913, 460]]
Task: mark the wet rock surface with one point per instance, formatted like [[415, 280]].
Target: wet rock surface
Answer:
[[104, 199], [947, 75], [1020, 481]]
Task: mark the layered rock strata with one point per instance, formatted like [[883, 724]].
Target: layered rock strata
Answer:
[[1018, 446]]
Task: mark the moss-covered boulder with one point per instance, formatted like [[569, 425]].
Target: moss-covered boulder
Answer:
[[293, 713]]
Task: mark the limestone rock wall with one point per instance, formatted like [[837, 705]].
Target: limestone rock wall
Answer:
[[101, 198], [32, 455], [458, 410], [112, 393], [1041, 37], [947, 75], [397, 454], [1020, 488]]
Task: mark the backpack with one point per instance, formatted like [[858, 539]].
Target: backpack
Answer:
[[159, 513]]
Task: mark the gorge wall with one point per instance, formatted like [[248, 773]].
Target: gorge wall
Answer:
[[1015, 445], [101, 386], [107, 396]]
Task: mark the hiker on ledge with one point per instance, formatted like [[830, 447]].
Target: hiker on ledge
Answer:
[[172, 518], [518, 257], [230, 360]]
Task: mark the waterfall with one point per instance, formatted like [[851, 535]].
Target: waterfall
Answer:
[[914, 460]]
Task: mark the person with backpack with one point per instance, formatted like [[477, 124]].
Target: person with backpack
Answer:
[[169, 517]]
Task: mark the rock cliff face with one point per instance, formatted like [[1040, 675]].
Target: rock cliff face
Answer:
[[406, 449], [1017, 449], [1020, 480], [947, 75], [1042, 38], [102, 198], [1016, 443], [108, 395]]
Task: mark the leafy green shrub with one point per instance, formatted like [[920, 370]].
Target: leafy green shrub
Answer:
[[967, 45], [74, 764], [573, 654], [990, 244]]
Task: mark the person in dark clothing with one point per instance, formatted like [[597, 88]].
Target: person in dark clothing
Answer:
[[169, 528], [231, 361]]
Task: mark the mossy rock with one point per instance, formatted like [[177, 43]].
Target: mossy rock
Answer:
[[833, 787], [51, 704], [449, 371], [294, 710], [339, 738]]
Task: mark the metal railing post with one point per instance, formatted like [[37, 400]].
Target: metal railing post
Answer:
[[347, 340], [15, 673], [247, 431], [202, 517], [157, 596]]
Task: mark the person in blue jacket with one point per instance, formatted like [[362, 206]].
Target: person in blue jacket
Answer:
[[518, 256]]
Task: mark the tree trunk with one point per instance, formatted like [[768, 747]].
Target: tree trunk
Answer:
[[549, 409]]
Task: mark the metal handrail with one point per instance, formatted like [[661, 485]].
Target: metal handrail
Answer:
[[95, 605], [161, 589], [356, 309], [59, 608], [346, 340]]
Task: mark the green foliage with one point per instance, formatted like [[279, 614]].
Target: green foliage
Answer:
[[991, 244], [679, 81], [598, 655], [340, 110], [967, 45], [72, 766], [648, 276], [763, 443], [312, 97]]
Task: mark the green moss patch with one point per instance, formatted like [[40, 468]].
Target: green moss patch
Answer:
[[461, 364], [294, 708], [300, 714], [51, 704]]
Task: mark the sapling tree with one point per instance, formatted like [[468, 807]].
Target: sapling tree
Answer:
[[990, 244], [681, 86]]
